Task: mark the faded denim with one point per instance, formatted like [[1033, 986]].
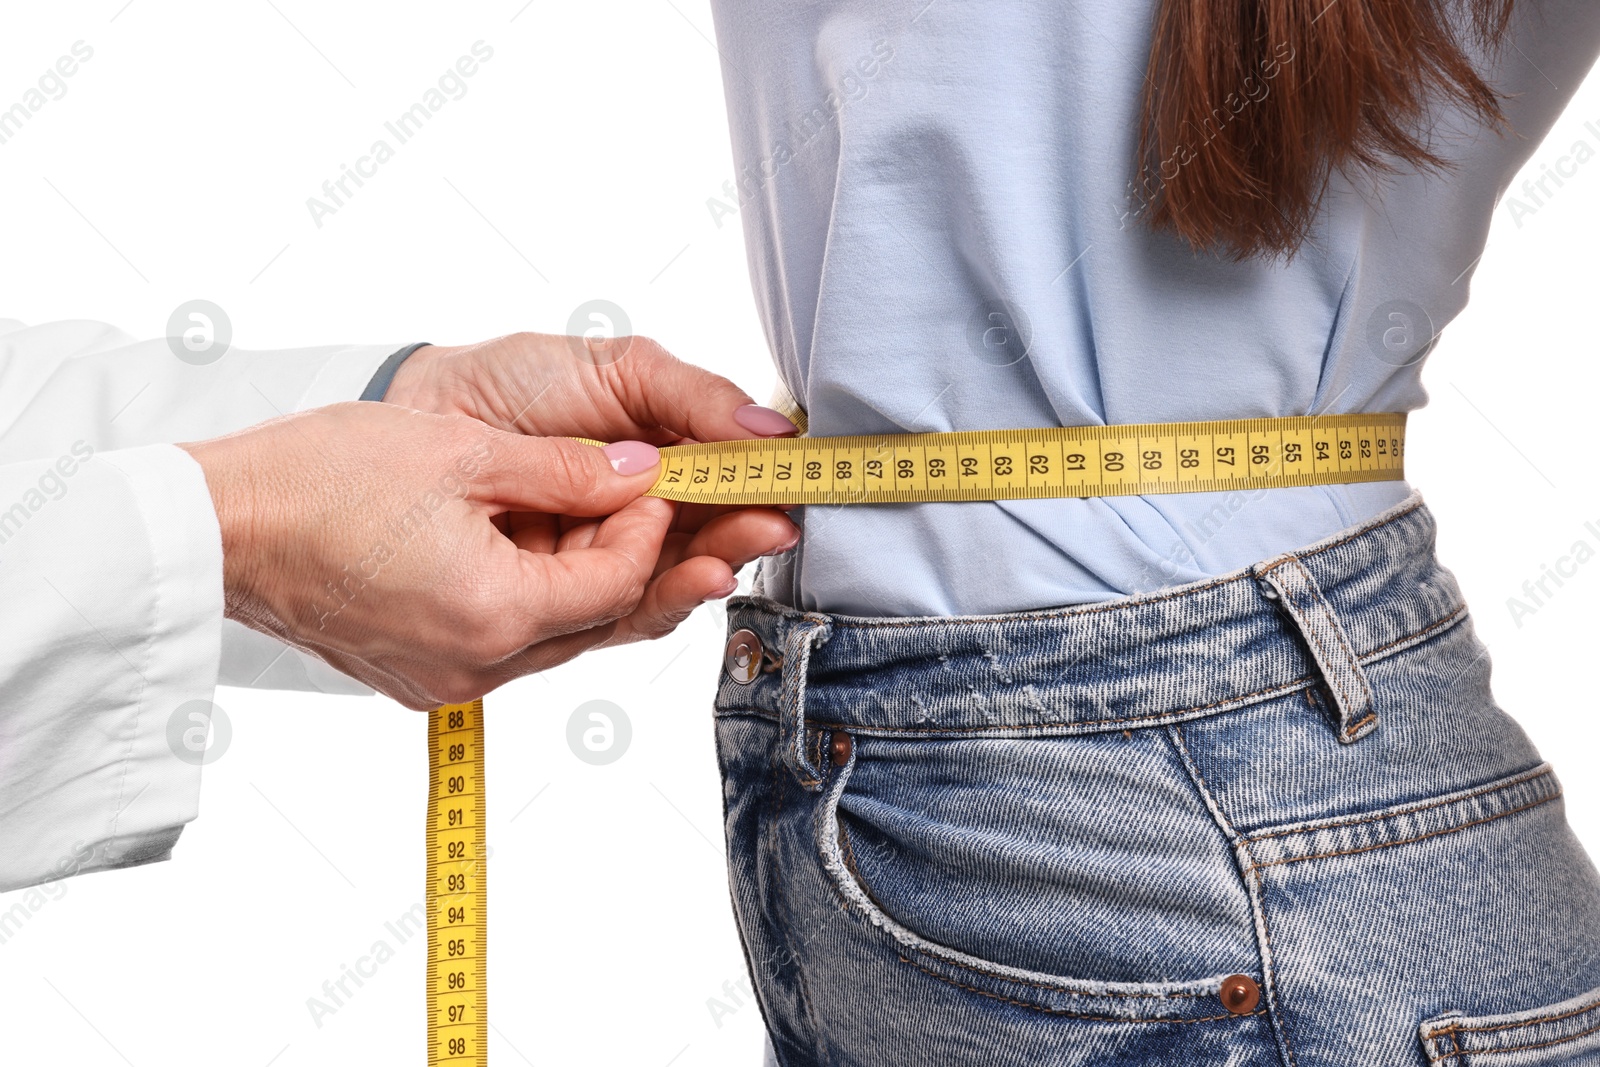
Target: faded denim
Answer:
[[1054, 833]]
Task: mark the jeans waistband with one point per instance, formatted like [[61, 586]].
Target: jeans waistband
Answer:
[[1312, 616]]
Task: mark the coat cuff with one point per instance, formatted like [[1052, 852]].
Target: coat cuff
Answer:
[[346, 373], [122, 656]]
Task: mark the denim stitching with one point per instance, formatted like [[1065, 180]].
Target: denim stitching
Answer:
[[1457, 613], [1258, 910], [1526, 1022], [1175, 731], [849, 853], [852, 906], [793, 694], [775, 809], [744, 943], [1284, 687], [1409, 840], [1522, 1048], [1353, 662], [1351, 667], [1070, 1014], [891, 624], [1272, 974], [1290, 686], [850, 861], [1330, 674], [1335, 673], [1389, 813], [777, 898], [1356, 727], [1435, 1047]]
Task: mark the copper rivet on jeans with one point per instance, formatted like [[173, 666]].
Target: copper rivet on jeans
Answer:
[[1240, 994], [841, 747], [742, 659]]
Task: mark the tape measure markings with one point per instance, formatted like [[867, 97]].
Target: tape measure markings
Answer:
[[457, 891], [1076, 461]]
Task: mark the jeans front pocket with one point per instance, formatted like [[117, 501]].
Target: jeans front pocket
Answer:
[[1080, 876], [1567, 1033]]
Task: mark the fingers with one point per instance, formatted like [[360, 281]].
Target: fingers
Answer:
[[536, 602], [658, 389], [596, 592], [673, 595], [533, 531], [693, 570], [689, 569], [583, 587], [738, 537], [557, 475], [552, 653]]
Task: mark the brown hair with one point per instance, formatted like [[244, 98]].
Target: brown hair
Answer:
[[1250, 105]]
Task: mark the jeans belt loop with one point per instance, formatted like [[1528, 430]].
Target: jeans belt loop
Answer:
[[798, 643], [1285, 580]]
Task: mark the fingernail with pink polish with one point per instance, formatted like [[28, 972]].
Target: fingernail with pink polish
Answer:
[[632, 457], [764, 421]]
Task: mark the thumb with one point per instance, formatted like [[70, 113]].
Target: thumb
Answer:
[[691, 401], [565, 476]]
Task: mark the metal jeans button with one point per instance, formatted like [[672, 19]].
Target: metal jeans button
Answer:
[[1240, 994], [742, 659]]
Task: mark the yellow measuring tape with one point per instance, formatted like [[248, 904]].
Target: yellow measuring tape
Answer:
[[458, 988], [1069, 461], [1073, 461]]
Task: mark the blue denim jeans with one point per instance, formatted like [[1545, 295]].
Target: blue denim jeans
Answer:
[[1274, 817]]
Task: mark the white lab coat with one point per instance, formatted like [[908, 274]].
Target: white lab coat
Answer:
[[111, 581]]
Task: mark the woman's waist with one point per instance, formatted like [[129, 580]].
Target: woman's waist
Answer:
[[1189, 648], [994, 557]]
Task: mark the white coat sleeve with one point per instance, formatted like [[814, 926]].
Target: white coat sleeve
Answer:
[[111, 583]]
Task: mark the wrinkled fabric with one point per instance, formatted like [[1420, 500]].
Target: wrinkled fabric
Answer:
[[944, 228]]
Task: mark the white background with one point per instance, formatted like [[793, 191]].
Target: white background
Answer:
[[578, 165]]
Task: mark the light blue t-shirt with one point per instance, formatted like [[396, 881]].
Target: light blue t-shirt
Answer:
[[943, 234]]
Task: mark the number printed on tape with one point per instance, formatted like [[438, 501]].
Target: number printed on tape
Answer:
[[457, 992], [1077, 461]]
